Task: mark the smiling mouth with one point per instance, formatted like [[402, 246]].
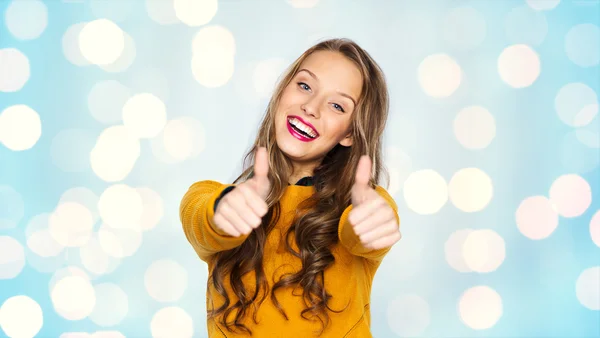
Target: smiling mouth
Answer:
[[300, 130]]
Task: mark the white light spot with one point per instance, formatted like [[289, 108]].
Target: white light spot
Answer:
[[12, 208], [101, 42], [113, 10], [519, 66], [62, 273], [570, 195], [161, 12], [303, 3], [71, 224], [125, 60], [70, 149], [582, 44], [464, 28], [213, 69], [26, 20], [195, 12], [14, 70], [576, 104], [145, 115], [106, 100], [470, 189], [115, 153], [166, 280], [119, 243], [112, 305], [439, 75], [182, 139], [408, 315], [453, 250], [474, 127], [73, 297], [588, 292], [153, 209], [45, 254], [95, 259], [543, 5], [83, 196], [480, 307], [20, 127], [425, 192], [215, 39], [524, 25], [171, 321], [266, 75], [595, 228], [12, 258], [536, 218], [43, 244], [121, 207], [484, 250], [70, 45], [21, 316]]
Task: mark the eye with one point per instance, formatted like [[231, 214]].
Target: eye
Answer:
[[303, 86], [338, 107]]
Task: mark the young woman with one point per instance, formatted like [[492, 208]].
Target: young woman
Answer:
[[293, 244]]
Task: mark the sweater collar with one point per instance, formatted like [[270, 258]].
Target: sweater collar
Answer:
[[305, 181]]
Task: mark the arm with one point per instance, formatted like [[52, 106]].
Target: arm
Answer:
[[196, 213], [351, 241]]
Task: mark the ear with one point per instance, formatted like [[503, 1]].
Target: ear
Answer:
[[346, 141]]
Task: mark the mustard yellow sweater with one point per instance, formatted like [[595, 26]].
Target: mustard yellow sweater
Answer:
[[348, 280]]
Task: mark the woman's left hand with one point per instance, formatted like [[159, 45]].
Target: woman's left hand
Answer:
[[372, 218]]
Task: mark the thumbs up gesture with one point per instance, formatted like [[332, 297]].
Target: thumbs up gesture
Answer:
[[241, 210], [371, 217]]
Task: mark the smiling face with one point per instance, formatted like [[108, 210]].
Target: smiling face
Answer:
[[315, 110]]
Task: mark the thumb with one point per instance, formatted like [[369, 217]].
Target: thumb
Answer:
[[261, 164], [260, 179], [361, 180]]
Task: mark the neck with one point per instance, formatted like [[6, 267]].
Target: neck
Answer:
[[300, 171], [296, 177]]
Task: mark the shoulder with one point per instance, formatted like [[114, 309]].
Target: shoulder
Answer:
[[207, 184]]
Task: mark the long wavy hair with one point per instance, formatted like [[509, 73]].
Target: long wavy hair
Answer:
[[315, 225]]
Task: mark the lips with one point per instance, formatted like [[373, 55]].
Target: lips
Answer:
[[301, 129]]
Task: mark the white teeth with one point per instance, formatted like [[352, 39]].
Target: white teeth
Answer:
[[296, 123]]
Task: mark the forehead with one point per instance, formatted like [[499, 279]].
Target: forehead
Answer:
[[335, 71]]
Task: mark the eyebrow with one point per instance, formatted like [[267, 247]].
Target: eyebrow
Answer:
[[316, 78]]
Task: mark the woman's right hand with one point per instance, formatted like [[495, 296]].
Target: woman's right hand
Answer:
[[241, 210]]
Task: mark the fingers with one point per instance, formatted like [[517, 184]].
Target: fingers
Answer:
[[383, 230], [385, 242], [253, 201], [240, 211], [372, 207], [224, 226], [238, 224]]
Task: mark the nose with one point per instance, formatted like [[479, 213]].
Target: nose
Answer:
[[310, 108]]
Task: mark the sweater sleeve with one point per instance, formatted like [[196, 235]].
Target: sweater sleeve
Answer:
[[196, 213], [351, 241]]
